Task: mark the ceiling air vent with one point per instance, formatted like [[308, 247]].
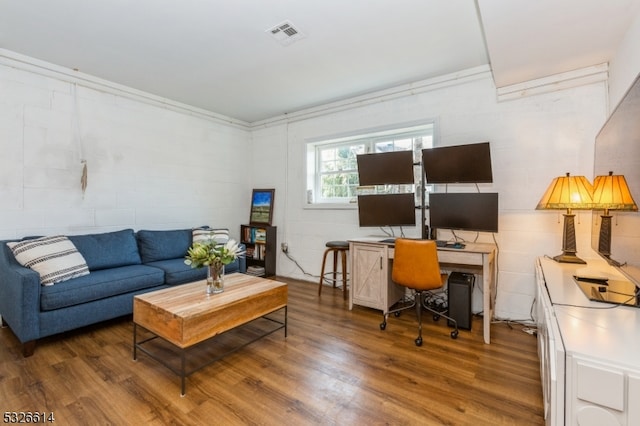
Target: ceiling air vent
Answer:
[[285, 33]]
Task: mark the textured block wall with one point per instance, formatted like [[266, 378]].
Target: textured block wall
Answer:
[[148, 166]]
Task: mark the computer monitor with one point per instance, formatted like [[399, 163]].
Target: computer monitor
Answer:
[[458, 164], [388, 168], [386, 210], [464, 211]]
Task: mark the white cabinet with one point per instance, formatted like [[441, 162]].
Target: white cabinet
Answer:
[[370, 271], [595, 347]]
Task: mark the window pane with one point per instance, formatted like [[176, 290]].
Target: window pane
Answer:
[[385, 146], [403, 145]]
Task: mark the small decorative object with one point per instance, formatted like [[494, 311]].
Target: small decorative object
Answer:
[[262, 206], [214, 256], [83, 178]]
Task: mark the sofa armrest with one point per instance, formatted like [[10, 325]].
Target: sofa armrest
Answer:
[[19, 297]]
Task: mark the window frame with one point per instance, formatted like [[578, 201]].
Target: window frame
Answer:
[[369, 138]]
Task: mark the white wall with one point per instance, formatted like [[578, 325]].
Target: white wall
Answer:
[[625, 65], [533, 140], [149, 166]]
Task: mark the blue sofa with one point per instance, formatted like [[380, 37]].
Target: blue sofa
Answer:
[[121, 264]]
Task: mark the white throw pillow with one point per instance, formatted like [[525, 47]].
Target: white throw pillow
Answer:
[[220, 236], [54, 258]]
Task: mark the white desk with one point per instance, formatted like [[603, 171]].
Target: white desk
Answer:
[[371, 284]]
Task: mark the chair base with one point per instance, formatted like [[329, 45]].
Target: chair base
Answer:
[[419, 303]]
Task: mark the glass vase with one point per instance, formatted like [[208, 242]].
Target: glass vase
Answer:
[[215, 279]]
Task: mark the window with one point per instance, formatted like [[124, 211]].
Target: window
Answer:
[[332, 169]]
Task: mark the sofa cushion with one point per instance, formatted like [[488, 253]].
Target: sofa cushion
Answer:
[[177, 272], [162, 245], [220, 235], [109, 249], [100, 284], [55, 258]]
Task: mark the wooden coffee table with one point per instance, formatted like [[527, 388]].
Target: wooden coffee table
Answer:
[[185, 315]]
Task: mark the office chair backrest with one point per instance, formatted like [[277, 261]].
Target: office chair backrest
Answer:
[[415, 264]]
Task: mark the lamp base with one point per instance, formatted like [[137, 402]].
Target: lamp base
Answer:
[[569, 241], [568, 258]]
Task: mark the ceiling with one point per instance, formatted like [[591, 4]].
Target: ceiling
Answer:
[[219, 55]]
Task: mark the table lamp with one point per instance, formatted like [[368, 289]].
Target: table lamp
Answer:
[[567, 192], [610, 192]]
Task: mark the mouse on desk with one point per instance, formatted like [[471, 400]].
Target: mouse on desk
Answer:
[[458, 245]]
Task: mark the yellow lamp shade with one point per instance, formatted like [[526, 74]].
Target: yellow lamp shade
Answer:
[[567, 192], [611, 192]]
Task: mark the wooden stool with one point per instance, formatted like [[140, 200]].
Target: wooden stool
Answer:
[[335, 247]]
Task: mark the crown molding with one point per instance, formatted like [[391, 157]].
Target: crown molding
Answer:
[[553, 83], [561, 81], [26, 63], [385, 95]]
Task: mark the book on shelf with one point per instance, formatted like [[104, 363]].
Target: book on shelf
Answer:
[[246, 235], [253, 235], [260, 235], [257, 271], [259, 251]]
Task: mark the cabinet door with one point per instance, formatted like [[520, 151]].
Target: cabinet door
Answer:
[[633, 398], [596, 392], [369, 274]]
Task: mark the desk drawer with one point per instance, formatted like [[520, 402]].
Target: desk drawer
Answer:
[[461, 257]]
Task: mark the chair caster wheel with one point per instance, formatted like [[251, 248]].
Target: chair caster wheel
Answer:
[[396, 314], [436, 317], [419, 341], [383, 325], [454, 334]]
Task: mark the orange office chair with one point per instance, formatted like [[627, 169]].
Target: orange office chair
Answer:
[[415, 266]]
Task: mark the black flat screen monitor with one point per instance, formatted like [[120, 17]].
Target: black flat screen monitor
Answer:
[[458, 164], [386, 210], [464, 211], [388, 168]]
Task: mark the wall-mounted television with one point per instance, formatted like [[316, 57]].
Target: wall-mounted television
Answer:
[[464, 211], [617, 149], [387, 168], [386, 210], [458, 164]]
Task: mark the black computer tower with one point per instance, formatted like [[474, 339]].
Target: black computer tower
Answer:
[[459, 292]]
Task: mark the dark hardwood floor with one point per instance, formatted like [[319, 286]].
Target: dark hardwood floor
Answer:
[[336, 367]]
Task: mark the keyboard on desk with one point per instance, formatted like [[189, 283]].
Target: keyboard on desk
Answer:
[[388, 241], [449, 244], [439, 243]]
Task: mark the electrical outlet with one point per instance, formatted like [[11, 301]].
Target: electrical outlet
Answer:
[[284, 247]]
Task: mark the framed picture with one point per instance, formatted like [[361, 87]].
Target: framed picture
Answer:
[[262, 206]]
